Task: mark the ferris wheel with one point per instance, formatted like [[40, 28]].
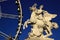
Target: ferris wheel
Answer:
[[12, 16], [2, 0]]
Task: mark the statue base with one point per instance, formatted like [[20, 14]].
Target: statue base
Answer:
[[39, 38]]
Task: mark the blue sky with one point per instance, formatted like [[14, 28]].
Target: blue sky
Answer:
[[9, 26]]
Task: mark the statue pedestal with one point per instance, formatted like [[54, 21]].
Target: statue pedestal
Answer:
[[39, 38], [36, 38]]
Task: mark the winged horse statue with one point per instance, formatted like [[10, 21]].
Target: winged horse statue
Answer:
[[40, 21]]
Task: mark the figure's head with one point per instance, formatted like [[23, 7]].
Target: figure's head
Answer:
[[41, 6], [33, 7]]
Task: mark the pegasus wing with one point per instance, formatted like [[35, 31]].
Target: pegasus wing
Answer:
[[49, 16]]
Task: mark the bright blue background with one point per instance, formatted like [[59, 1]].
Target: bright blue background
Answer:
[[9, 26]]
